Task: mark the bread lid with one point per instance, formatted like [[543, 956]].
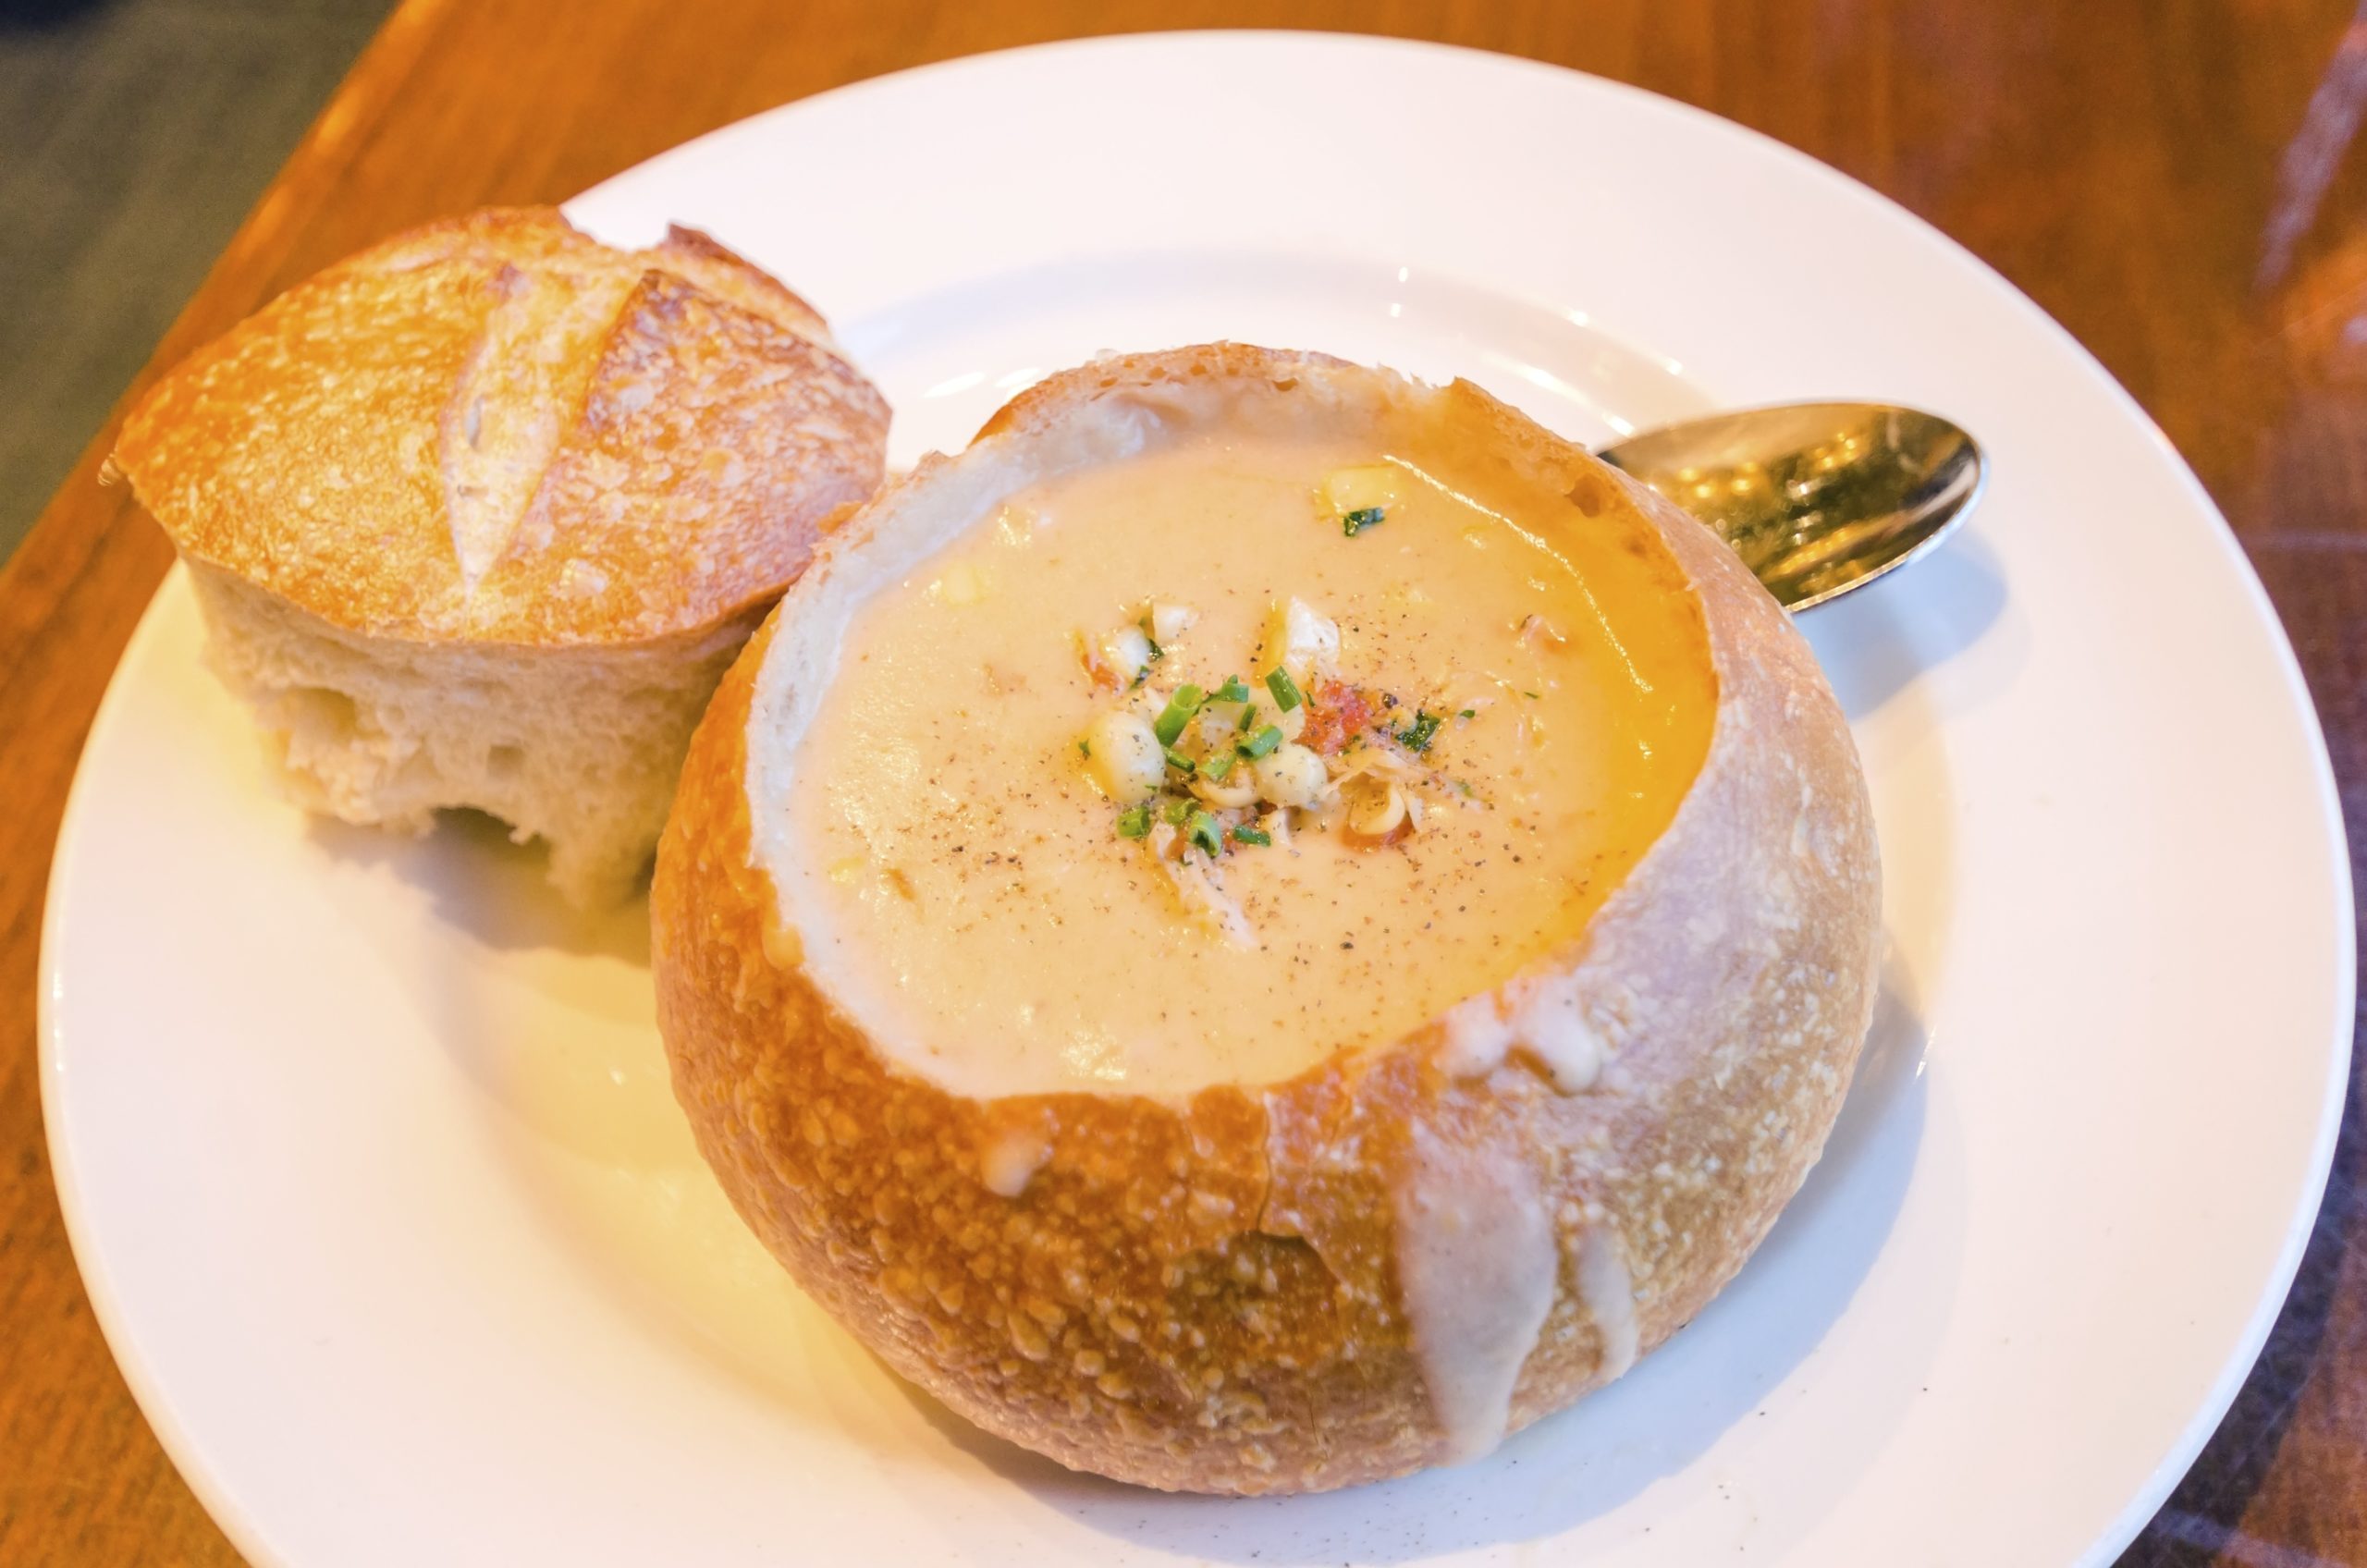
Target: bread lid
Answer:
[[497, 429]]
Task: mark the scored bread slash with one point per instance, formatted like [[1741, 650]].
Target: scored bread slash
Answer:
[[477, 516]]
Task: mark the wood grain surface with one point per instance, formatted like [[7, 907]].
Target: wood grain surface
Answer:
[[2173, 179]]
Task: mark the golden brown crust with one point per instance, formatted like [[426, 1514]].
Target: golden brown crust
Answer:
[[1206, 1294], [697, 257], [497, 429], [1134, 376]]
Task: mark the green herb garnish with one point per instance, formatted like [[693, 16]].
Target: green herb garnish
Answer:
[[1176, 812], [1252, 836], [1468, 713], [1418, 736], [1084, 747], [1233, 691], [1355, 523], [1180, 762], [1205, 833], [1178, 713], [1285, 690], [1533, 696], [1135, 823], [1218, 767], [1257, 745]]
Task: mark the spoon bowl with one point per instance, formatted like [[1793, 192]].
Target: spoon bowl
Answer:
[[1818, 498]]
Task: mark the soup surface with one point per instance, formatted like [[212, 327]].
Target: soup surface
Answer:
[[1375, 730]]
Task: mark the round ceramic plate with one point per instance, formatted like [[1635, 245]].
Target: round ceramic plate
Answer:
[[368, 1151]]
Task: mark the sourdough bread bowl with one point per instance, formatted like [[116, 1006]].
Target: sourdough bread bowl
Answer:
[[479, 516], [1285, 1144]]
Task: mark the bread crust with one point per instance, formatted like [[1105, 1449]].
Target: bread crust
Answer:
[[499, 430], [1208, 1293]]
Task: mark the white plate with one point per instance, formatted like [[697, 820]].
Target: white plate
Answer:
[[369, 1157]]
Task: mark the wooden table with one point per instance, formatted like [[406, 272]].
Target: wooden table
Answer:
[[2171, 178]]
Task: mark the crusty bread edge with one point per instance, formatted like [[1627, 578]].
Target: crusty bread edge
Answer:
[[173, 406], [1201, 1294]]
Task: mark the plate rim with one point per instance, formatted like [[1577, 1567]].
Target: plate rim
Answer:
[[109, 1308]]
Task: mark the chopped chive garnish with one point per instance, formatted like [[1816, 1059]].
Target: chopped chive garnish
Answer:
[[1233, 691], [1416, 735], [1257, 745], [1468, 713], [1252, 836], [1354, 523], [1218, 767], [1084, 747], [1179, 711], [1178, 762], [1156, 652], [1176, 812], [1205, 833], [1135, 823], [1531, 694], [1285, 690]]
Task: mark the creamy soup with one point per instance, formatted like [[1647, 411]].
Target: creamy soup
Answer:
[[1200, 765]]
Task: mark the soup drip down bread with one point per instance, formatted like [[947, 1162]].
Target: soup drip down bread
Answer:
[[1266, 924]]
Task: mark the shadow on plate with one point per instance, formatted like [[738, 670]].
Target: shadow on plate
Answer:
[[546, 1010], [493, 890], [1590, 1460], [1876, 641]]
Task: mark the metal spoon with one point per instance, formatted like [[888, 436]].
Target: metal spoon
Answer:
[[1818, 498]]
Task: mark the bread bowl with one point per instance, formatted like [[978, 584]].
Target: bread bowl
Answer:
[[479, 516], [1244, 1167]]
